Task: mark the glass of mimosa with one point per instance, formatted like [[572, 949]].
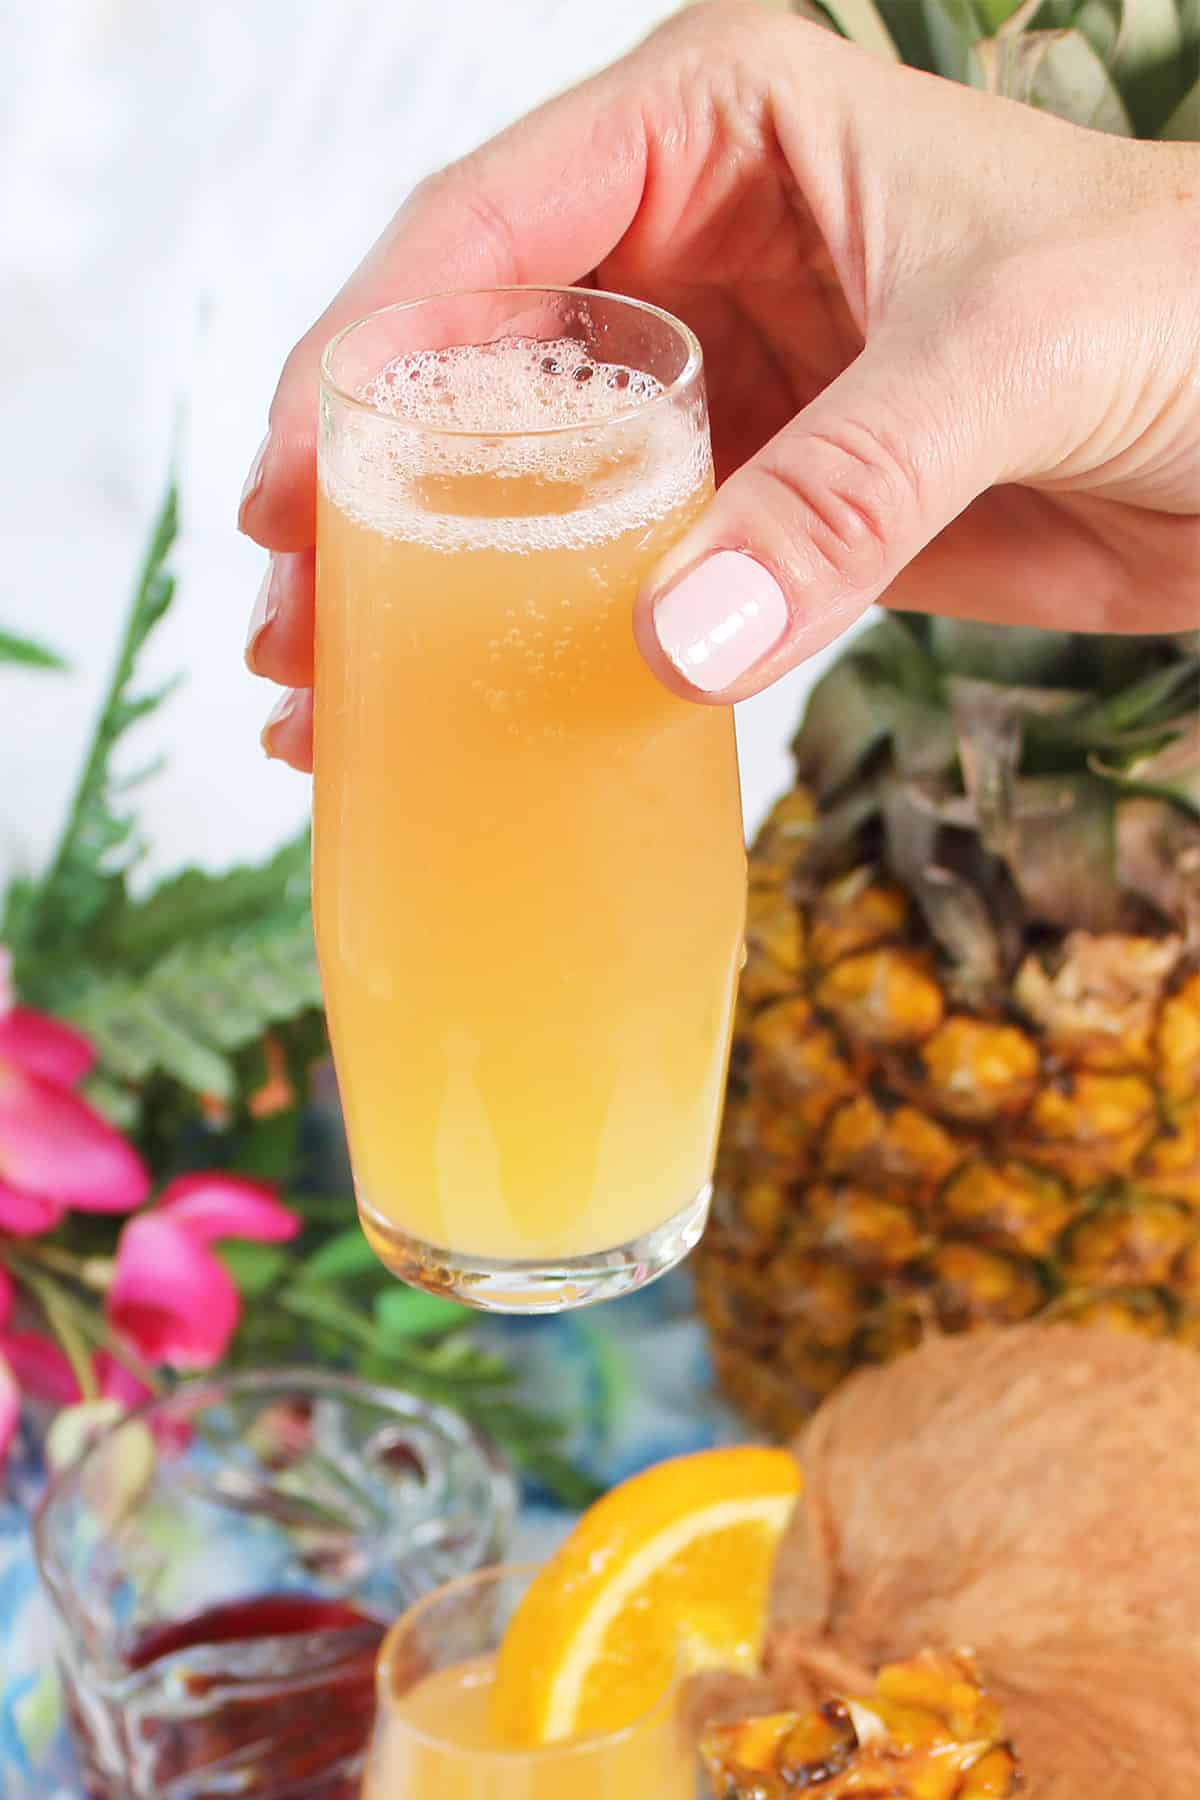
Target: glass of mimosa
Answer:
[[435, 1739], [528, 858]]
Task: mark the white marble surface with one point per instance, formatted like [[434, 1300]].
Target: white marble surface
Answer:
[[181, 188]]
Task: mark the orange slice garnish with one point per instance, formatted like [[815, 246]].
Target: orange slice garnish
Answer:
[[664, 1576]]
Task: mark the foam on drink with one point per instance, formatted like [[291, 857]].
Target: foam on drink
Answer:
[[580, 450]]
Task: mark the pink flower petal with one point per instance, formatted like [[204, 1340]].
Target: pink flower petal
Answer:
[[53, 1143], [10, 1409], [27, 1215], [7, 1294], [119, 1383], [44, 1046], [40, 1367], [170, 1297], [211, 1205]]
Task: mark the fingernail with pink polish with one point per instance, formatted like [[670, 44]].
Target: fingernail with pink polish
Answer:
[[282, 712], [254, 479], [266, 606], [720, 619]]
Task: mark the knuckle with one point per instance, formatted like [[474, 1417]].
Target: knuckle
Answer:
[[849, 499], [464, 194]]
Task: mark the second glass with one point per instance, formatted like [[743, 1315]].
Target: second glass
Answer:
[[529, 868], [434, 1737]]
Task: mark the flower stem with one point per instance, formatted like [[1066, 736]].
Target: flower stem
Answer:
[[94, 1326], [51, 1257], [84, 1324], [94, 1272], [57, 1307]]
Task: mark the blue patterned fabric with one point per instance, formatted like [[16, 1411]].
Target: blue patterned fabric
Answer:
[[634, 1374]]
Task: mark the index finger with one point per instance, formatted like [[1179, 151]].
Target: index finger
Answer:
[[544, 202]]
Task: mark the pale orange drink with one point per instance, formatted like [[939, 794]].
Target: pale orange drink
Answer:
[[439, 1743], [436, 1737], [528, 862]]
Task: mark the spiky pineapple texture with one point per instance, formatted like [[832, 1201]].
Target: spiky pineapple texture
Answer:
[[965, 1086], [929, 1732]]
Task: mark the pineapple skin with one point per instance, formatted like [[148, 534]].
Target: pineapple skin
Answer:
[[898, 1158], [929, 1732]]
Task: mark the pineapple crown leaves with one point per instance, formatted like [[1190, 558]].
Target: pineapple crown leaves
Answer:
[[1131, 67], [1011, 775], [1064, 791], [178, 983]]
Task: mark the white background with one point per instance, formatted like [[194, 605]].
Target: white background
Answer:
[[183, 183]]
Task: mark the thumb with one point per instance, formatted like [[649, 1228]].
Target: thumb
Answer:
[[809, 533]]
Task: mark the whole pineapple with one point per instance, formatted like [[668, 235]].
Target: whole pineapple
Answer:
[[965, 1086], [966, 1077]]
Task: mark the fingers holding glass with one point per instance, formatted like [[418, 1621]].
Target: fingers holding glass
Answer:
[[279, 643], [287, 734]]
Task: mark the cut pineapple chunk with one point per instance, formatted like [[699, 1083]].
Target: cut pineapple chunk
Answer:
[[929, 1732]]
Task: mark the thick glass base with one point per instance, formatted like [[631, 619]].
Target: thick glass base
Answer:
[[536, 1287]]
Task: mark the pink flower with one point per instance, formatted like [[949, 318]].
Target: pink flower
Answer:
[[27, 1215], [119, 1383], [55, 1150], [44, 1046], [170, 1297], [40, 1367]]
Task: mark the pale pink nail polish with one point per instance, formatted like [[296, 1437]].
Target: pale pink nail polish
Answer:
[[266, 605], [720, 619], [253, 480], [283, 709]]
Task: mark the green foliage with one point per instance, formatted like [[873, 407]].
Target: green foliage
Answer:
[[180, 982], [194, 905], [98, 844], [28, 653], [341, 1257], [402, 1313], [337, 1305], [173, 986], [255, 1268], [1123, 66]]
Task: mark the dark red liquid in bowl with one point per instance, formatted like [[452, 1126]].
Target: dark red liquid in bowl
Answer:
[[244, 1621], [277, 1700]]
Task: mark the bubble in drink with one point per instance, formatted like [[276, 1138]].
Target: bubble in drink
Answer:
[[586, 460]]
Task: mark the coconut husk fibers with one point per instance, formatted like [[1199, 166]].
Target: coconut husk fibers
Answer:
[[1029, 1495]]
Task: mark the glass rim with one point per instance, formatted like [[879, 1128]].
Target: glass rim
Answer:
[[692, 366], [386, 1718], [335, 1382]]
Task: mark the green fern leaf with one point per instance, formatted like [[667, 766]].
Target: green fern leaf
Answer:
[[98, 845], [194, 903], [181, 982], [28, 653]]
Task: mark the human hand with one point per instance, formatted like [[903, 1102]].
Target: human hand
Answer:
[[952, 346]]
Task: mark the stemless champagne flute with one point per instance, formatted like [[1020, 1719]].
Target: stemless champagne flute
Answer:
[[434, 1738], [529, 868]]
